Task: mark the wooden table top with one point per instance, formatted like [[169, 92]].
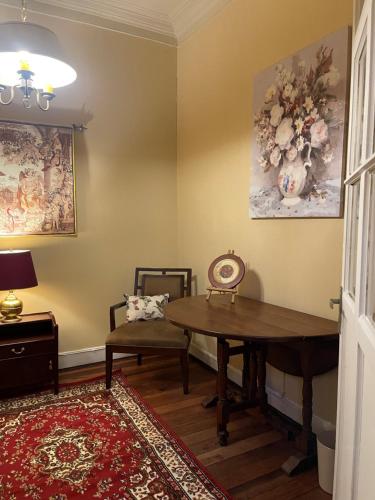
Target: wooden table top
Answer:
[[246, 319], [30, 318]]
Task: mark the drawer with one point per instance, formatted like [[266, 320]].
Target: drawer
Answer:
[[20, 349], [22, 372]]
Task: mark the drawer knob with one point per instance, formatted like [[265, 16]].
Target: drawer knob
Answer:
[[18, 352]]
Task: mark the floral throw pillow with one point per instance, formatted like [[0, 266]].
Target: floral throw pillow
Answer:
[[145, 307]]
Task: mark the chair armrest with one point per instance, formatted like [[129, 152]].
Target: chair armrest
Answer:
[[112, 318]]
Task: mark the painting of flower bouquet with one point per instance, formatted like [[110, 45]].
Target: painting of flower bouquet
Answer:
[[300, 108], [37, 194]]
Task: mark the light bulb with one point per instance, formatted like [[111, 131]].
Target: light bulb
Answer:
[[48, 88]]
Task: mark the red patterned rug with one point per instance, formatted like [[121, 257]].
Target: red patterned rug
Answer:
[[90, 443]]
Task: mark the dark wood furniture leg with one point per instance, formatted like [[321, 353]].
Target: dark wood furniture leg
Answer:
[[139, 359], [245, 394], [253, 374], [262, 356], [56, 373], [108, 366], [210, 401], [223, 403], [305, 441], [184, 357], [245, 350]]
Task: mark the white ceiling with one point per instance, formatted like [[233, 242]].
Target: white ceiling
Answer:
[[169, 21]]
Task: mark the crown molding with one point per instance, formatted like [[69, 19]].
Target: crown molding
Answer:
[[190, 15], [122, 11], [131, 22], [129, 16]]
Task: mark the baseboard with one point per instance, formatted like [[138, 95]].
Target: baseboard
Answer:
[[85, 356], [286, 406]]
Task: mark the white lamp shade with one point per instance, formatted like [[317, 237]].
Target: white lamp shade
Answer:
[[39, 48]]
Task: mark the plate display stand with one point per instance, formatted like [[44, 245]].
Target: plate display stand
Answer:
[[225, 273], [212, 289]]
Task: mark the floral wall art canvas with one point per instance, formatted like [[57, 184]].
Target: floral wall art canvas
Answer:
[[298, 147], [36, 180]]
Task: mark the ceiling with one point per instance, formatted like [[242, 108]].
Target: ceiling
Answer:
[[168, 21]]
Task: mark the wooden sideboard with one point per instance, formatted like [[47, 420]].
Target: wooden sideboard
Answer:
[[29, 354]]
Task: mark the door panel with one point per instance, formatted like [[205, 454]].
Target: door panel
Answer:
[[346, 407], [355, 450], [370, 282], [359, 97], [357, 446], [354, 192], [365, 465]]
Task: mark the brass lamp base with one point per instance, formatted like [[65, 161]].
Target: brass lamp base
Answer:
[[11, 308]]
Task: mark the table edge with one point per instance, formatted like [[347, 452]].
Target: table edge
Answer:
[[254, 337]]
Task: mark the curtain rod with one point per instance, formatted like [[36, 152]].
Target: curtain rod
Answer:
[[79, 128], [74, 126]]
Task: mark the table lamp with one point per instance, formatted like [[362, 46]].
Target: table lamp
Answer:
[[16, 271]]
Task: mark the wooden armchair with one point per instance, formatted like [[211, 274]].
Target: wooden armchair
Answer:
[[156, 336]]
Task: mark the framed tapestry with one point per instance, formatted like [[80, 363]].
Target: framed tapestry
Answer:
[[37, 185], [298, 147]]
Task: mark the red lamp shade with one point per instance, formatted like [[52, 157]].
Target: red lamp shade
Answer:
[[17, 270]]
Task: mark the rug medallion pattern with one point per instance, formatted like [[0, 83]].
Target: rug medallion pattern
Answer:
[[91, 443]]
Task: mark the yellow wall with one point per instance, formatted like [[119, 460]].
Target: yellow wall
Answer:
[[292, 263], [125, 171]]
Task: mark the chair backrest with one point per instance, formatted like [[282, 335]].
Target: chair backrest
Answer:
[[156, 281]]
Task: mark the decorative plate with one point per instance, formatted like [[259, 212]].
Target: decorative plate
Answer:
[[226, 271]]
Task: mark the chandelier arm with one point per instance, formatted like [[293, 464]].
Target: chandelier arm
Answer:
[[11, 97], [24, 11], [26, 102], [40, 102]]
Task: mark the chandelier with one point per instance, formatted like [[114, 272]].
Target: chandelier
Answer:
[[32, 62]]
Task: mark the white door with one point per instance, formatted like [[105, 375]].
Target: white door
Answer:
[[355, 443]]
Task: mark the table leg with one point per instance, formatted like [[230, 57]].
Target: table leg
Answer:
[[247, 393], [253, 374], [211, 400], [262, 356], [222, 410], [246, 389], [305, 442]]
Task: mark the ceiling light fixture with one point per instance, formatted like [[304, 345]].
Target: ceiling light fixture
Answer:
[[31, 60]]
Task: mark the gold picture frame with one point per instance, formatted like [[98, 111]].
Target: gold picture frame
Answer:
[[37, 180]]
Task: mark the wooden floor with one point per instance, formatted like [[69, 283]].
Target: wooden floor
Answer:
[[249, 467]]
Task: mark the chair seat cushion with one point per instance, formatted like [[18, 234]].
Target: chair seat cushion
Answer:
[[156, 333]]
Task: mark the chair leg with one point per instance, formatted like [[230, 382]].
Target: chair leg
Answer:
[[139, 359], [184, 357], [108, 366]]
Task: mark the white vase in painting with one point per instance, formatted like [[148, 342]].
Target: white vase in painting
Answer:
[[292, 178]]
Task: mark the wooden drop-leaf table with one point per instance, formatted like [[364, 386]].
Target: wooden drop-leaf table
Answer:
[[297, 343]]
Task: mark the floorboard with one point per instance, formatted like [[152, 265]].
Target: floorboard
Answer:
[[249, 467]]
